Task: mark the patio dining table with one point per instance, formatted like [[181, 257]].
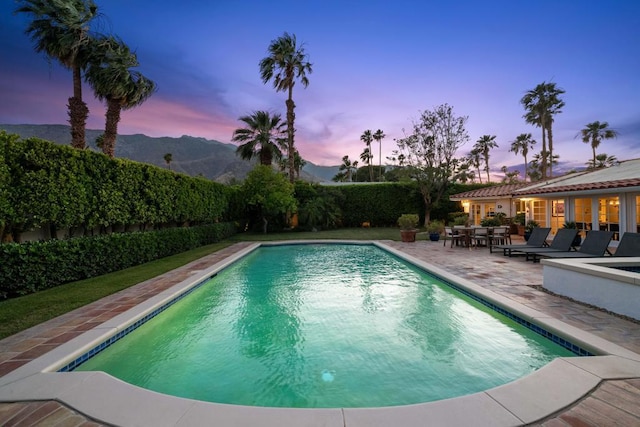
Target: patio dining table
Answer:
[[468, 233]]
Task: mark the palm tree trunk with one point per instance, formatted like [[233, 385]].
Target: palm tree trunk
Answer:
[[525, 168], [550, 134], [543, 168], [78, 112], [380, 160], [111, 127], [290, 119]]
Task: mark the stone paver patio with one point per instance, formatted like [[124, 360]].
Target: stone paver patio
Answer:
[[611, 403]]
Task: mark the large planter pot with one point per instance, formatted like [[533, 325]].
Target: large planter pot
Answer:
[[434, 237], [520, 230], [408, 235]]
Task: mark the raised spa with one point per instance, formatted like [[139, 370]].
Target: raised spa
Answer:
[[325, 325]]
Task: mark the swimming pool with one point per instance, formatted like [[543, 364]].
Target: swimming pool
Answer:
[[102, 397], [325, 326]]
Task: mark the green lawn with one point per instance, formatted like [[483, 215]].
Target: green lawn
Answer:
[[22, 313]]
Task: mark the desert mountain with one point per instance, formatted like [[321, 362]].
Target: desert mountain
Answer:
[[190, 155]]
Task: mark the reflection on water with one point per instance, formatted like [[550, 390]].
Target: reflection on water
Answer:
[[325, 326]]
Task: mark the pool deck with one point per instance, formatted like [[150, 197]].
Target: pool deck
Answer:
[[613, 401]]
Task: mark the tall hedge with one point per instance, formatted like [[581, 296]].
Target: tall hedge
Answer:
[[45, 184], [379, 204], [33, 266]]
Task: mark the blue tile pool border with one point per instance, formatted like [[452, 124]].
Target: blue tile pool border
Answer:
[[121, 334], [577, 350]]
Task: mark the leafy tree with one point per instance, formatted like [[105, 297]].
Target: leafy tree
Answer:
[[541, 104], [429, 152], [269, 193], [602, 161], [522, 144], [263, 136], [595, 133], [483, 146], [110, 74], [168, 158], [367, 154], [285, 64], [60, 30], [379, 136]]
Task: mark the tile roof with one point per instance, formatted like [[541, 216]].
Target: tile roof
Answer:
[[490, 192], [606, 185], [624, 175]]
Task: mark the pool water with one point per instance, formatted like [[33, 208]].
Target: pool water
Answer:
[[318, 326]]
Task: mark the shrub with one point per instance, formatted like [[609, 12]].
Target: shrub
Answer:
[[34, 266]]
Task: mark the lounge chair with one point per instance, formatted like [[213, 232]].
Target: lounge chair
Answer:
[[537, 239], [595, 245], [560, 243], [629, 245]]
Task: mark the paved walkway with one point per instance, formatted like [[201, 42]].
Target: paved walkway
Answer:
[[611, 403]]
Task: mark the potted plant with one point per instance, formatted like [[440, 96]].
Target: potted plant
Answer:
[[408, 227], [461, 220], [435, 229], [576, 240], [519, 221], [531, 224]]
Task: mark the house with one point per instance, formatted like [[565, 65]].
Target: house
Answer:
[[601, 199]]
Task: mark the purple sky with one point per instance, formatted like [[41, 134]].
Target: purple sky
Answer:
[[376, 65]]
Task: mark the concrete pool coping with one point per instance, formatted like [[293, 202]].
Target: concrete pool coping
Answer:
[[112, 401]]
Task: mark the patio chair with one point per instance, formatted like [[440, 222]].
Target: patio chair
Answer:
[[480, 236], [453, 234], [629, 245], [499, 236], [595, 245], [560, 243], [537, 239]]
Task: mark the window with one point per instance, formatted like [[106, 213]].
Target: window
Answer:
[[539, 212], [609, 215]]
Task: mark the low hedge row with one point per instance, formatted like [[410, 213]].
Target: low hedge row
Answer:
[[34, 266]]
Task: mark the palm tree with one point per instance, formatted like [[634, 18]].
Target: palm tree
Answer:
[[464, 172], [285, 64], [366, 157], [168, 158], [541, 104], [298, 163], [602, 161], [263, 136], [474, 160], [367, 138], [61, 30], [483, 146], [535, 166], [379, 136], [347, 167], [110, 74], [522, 144], [594, 133]]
